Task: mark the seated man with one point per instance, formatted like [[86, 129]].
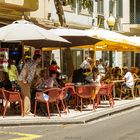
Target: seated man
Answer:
[[129, 82], [128, 77]]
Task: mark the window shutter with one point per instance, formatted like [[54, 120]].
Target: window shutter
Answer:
[[119, 8], [110, 6]]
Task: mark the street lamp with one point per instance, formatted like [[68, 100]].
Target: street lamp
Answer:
[[111, 22]]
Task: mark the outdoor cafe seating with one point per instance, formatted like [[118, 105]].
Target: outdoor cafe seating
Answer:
[[10, 97]]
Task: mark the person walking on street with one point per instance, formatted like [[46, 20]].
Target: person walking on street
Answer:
[[25, 79]]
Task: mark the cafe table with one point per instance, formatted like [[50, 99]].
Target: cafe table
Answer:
[[116, 81]]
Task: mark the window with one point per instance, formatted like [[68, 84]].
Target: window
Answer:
[[111, 6], [100, 7], [85, 7], [69, 5], [100, 21], [119, 8]]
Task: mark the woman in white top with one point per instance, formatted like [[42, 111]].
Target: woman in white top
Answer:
[[97, 81]]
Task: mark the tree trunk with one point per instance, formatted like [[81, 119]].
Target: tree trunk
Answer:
[[61, 16], [70, 67], [60, 12]]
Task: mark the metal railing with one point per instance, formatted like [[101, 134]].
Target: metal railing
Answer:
[[134, 19]]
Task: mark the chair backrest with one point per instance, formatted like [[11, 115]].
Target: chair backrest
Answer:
[[110, 88], [64, 92], [85, 91], [54, 94], [106, 89], [70, 87], [11, 96]]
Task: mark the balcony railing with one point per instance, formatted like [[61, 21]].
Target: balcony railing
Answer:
[[134, 19]]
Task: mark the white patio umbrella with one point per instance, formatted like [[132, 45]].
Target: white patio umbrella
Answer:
[[23, 30], [76, 37], [135, 40], [107, 35]]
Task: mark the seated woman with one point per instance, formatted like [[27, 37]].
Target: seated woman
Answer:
[[97, 81], [135, 72], [51, 81], [117, 73], [5, 82], [54, 67], [46, 83]]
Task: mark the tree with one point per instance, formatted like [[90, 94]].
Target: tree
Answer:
[[60, 12]]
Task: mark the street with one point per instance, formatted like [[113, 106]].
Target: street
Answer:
[[123, 126]]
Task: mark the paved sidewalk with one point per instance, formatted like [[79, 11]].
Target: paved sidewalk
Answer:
[[74, 117]]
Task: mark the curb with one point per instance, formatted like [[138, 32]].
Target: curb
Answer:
[[82, 120], [113, 111]]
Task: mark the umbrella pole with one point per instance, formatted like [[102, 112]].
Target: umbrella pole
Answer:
[[61, 61], [22, 44], [116, 57], [134, 57], [94, 46]]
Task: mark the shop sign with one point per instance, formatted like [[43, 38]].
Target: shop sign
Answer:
[[3, 57]]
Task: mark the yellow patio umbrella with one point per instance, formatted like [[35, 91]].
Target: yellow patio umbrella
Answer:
[[50, 49], [110, 46]]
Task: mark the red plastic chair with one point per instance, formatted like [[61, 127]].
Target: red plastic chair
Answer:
[[85, 92], [1, 98], [63, 99], [106, 90], [72, 92], [54, 96], [12, 97]]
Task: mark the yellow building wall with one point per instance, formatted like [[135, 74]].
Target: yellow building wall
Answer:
[[29, 4], [11, 10]]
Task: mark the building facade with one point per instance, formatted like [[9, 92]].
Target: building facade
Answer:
[[11, 10], [79, 16]]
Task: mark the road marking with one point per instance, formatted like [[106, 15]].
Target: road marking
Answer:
[[24, 136]]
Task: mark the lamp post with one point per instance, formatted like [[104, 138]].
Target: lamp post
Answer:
[[111, 22]]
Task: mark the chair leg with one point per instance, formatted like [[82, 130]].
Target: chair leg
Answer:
[[1, 106], [58, 108], [98, 100], [67, 106], [132, 92], [5, 109], [35, 108], [21, 108], [64, 108], [81, 104], [93, 104], [48, 109], [75, 101]]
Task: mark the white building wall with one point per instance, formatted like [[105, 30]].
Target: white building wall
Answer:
[[124, 22], [71, 17], [42, 11]]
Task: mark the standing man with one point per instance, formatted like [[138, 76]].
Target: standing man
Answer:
[[25, 79], [85, 64]]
